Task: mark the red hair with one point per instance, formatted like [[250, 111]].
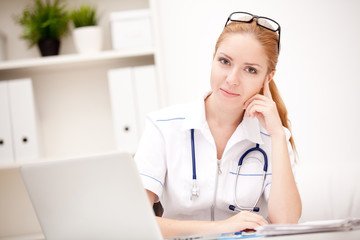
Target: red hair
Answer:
[[269, 41]]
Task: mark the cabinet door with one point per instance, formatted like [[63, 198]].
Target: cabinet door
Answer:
[[22, 112], [6, 148], [122, 99]]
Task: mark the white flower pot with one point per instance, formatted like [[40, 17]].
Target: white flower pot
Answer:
[[88, 39]]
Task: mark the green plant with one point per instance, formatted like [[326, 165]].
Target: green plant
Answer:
[[44, 20], [84, 16]]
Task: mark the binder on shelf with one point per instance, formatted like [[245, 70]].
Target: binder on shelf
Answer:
[[133, 94], [6, 146], [123, 109], [18, 118]]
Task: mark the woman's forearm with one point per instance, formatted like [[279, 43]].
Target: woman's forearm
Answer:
[[284, 204], [172, 228], [238, 222]]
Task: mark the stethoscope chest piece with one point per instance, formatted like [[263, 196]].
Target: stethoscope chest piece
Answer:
[[195, 191]]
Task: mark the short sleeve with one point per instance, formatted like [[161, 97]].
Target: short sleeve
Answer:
[[267, 186], [150, 159]]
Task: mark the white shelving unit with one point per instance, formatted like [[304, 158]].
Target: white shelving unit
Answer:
[[71, 99], [71, 92], [73, 58]]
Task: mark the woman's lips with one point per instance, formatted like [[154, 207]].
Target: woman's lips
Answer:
[[228, 93]]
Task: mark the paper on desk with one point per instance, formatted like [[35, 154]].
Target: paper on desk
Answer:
[[239, 235], [309, 227]]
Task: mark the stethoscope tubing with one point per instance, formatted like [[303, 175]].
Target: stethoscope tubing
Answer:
[[193, 154], [253, 208], [257, 148], [195, 190], [241, 208]]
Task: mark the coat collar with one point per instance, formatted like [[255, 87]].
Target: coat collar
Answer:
[[249, 129]]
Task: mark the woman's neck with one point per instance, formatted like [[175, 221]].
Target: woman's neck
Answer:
[[224, 117]]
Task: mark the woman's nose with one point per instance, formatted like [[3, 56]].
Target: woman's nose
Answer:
[[233, 78]]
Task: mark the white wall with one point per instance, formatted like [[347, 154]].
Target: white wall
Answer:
[[318, 76]]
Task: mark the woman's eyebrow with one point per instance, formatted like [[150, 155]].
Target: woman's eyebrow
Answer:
[[246, 63], [253, 64], [226, 55]]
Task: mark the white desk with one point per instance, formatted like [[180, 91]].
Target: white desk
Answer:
[[347, 235], [25, 237]]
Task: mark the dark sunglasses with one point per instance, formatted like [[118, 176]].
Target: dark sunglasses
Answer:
[[264, 22]]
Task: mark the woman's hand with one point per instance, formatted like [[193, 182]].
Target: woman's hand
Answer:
[[264, 109], [284, 204], [241, 221]]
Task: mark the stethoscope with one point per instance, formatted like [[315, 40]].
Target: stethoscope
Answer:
[[195, 192]]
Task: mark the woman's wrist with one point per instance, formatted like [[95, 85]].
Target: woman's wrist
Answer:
[[217, 226], [279, 134], [225, 226]]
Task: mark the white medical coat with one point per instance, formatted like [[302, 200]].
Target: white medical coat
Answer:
[[164, 161]]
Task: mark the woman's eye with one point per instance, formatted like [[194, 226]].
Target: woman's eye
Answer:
[[224, 61], [251, 70]]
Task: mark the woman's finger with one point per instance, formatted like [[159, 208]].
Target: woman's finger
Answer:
[[255, 97], [253, 217], [257, 106], [267, 92], [250, 225], [241, 221]]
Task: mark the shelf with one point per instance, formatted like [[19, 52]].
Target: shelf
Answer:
[[74, 58]]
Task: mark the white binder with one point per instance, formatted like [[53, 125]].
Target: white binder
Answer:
[[133, 94], [6, 146], [123, 109], [22, 114]]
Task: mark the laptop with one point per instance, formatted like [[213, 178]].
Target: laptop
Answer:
[[95, 197]]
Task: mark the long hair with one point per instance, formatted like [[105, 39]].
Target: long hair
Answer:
[[269, 41]]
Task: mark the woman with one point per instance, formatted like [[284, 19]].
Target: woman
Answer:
[[188, 155]]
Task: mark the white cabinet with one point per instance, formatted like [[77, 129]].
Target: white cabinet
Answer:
[[72, 98], [19, 141], [123, 108]]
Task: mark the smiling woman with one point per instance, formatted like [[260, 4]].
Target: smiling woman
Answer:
[[238, 73], [242, 117], [266, 41]]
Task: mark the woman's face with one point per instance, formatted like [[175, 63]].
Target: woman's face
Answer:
[[239, 70]]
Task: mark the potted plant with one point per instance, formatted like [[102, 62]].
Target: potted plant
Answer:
[[87, 35], [44, 23]]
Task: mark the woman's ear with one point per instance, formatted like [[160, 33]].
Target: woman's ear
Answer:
[[270, 76]]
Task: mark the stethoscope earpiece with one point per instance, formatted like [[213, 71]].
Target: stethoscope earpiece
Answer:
[[235, 209], [256, 209], [232, 207]]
